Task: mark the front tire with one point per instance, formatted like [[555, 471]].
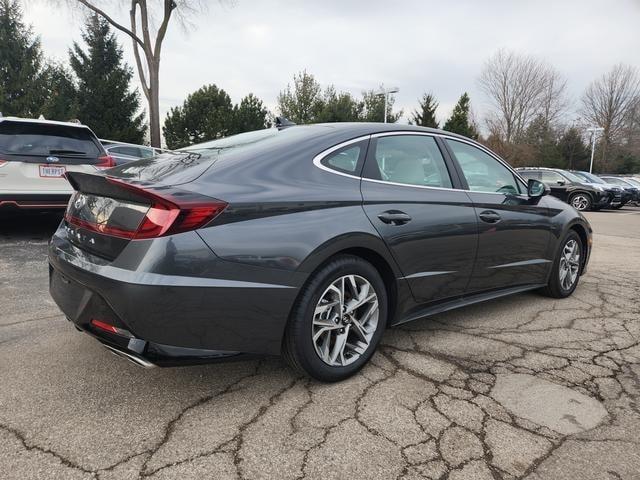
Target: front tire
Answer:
[[581, 201], [566, 268], [337, 321]]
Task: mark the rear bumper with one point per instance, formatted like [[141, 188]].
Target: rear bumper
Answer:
[[34, 201], [173, 319]]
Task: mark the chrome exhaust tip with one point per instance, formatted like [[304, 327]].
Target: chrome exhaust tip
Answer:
[[141, 362]]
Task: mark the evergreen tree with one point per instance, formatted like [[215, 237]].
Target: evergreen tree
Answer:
[[206, 114], [575, 153], [373, 110], [106, 102], [22, 87], [459, 121], [250, 114], [302, 102], [542, 138], [425, 115], [339, 107], [61, 100]]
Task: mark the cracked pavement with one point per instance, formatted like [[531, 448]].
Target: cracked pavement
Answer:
[[521, 387]]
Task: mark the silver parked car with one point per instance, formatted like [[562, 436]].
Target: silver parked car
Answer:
[[128, 152]]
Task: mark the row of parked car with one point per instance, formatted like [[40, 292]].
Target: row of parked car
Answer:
[[36, 154], [584, 190]]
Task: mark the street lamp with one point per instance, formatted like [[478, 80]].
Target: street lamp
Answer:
[[384, 92], [593, 131]]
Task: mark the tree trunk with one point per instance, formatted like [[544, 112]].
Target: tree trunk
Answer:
[[154, 104]]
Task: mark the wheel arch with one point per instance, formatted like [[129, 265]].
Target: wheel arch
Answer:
[[584, 192], [584, 238], [369, 248]]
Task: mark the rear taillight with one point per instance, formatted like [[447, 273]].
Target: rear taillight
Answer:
[[105, 161], [170, 212], [3, 163]]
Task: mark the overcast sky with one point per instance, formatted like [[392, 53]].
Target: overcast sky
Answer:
[[256, 46]]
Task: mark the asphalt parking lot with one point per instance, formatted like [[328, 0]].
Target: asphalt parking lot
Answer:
[[523, 387]]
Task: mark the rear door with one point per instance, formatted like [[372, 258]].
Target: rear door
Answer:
[[39, 154], [411, 197], [514, 231]]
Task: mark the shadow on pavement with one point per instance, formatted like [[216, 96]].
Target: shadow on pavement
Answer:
[[28, 226]]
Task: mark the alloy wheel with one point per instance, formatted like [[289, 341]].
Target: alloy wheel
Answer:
[[345, 320], [580, 202], [569, 264]]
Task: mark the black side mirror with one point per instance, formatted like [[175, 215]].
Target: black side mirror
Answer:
[[537, 189], [560, 182]]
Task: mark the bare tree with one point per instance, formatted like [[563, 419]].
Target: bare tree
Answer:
[[612, 102], [147, 45], [520, 88]]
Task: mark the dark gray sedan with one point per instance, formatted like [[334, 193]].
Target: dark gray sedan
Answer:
[[307, 241]]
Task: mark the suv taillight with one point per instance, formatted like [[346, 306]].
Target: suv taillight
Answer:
[[105, 161]]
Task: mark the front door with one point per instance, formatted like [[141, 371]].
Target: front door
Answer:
[[411, 197], [514, 231]]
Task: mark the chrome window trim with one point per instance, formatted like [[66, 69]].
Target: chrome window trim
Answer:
[[386, 182], [317, 160]]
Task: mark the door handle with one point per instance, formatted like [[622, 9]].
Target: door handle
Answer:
[[394, 217], [489, 216]]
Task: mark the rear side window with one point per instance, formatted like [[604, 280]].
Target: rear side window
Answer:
[[22, 138], [410, 160], [552, 178], [483, 172], [529, 175], [345, 159]]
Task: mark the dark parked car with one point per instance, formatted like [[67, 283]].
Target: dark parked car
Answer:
[[307, 241], [632, 190], [618, 196], [569, 188]]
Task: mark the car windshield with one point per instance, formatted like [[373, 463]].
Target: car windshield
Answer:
[[616, 181], [572, 177], [633, 182], [42, 139], [589, 177]]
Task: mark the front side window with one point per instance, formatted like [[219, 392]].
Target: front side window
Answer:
[[410, 160], [483, 172]]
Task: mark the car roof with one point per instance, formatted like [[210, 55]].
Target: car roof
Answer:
[[43, 122], [543, 168], [365, 128]]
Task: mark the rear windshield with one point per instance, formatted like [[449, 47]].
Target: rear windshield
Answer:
[[46, 139]]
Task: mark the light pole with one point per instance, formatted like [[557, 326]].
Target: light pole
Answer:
[[593, 144], [384, 92]]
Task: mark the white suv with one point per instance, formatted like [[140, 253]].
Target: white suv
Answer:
[[35, 155]]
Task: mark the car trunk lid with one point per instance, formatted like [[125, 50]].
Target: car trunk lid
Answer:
[[106, 213]]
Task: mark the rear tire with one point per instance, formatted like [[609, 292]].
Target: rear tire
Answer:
[[581, 201], [329, 342], [567, 268]]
